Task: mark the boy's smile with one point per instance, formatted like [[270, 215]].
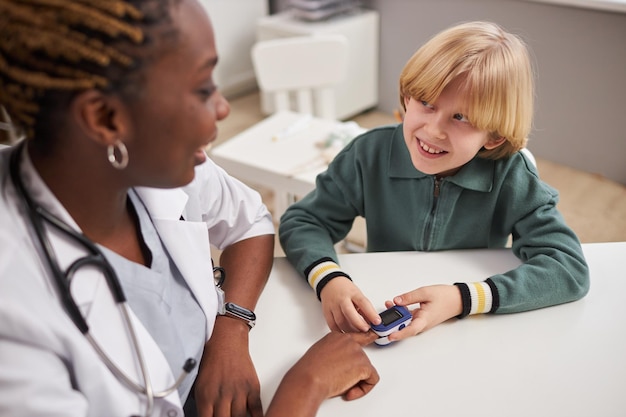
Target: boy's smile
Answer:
[[429, 150]]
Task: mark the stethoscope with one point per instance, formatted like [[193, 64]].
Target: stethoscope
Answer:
[[38, 216]]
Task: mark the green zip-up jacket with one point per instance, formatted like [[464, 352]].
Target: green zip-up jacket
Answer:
[[483, 204]]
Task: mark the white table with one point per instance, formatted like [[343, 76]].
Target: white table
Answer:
[[279, 153], [567, 360]]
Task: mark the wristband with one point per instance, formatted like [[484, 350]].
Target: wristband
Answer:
[[238, 312]]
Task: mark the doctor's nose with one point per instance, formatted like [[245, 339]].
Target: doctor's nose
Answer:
[[222, 107]]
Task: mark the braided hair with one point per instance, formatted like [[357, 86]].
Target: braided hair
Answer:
[[52, 49]]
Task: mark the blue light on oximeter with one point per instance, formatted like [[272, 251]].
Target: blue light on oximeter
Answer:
[[392, 320]]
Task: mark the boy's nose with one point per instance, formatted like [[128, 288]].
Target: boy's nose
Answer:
[[434, 128]]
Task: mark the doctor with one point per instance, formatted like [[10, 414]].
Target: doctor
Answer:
[[108, 305]]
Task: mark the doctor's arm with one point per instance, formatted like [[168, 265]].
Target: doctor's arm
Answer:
[[241, 226], [227, 383], [247, 264], [335, 365]]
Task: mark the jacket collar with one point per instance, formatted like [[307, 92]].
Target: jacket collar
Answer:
[[477, 175]]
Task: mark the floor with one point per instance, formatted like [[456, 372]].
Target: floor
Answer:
[[593, 206]]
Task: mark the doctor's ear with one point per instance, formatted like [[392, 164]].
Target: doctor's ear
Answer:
[[100, 117]]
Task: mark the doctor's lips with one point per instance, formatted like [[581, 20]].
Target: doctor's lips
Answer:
[[210, 143]]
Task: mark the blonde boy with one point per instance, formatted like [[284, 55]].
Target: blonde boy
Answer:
[[450, 176]]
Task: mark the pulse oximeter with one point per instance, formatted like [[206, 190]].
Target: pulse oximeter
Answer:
[[393, 319]]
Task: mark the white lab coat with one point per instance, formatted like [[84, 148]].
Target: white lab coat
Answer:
[[47, 367]]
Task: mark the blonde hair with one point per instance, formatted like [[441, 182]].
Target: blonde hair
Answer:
[[498, 81]]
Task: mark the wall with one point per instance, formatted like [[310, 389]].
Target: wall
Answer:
[[580, 60], [234, 23]]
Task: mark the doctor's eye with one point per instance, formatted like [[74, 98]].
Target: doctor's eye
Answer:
[[206, 91]]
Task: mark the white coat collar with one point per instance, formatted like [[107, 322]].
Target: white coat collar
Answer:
[[187, 243], [164, 203]]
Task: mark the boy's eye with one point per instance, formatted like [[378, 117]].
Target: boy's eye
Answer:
[[426, 104], [460, 117]]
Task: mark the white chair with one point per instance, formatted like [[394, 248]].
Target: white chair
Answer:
[[299, 73], [529, 155]]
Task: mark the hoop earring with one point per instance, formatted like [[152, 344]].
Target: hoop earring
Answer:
[[119, 145]]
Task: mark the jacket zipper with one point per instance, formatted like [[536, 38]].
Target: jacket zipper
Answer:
[[431, 215]]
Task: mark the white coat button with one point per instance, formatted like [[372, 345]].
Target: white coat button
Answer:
[[172, 413]]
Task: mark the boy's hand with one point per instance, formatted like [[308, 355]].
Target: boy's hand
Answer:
[[345, 307], [437, 303]]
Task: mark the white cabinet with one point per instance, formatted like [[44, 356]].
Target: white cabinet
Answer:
[[359, 91]]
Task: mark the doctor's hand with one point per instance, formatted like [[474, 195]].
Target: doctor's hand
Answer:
[[335, 365], [227, 384], [437, 303], [345, 307]]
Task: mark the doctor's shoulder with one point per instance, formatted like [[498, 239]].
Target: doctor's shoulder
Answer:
[[207, 175]]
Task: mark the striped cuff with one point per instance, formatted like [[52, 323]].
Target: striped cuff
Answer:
[[477, 297], [321, 272]]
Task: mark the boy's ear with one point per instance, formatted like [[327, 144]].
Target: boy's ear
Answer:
[[100, 117], [494, 142]]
